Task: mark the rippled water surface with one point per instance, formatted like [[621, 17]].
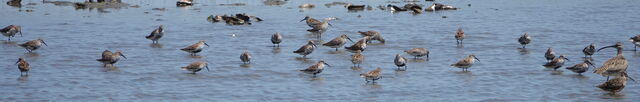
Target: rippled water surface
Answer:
[[66, 70]]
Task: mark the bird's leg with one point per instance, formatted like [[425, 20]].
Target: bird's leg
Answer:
[[337, 48], [607, 78]]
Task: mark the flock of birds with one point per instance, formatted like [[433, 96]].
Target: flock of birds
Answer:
[[614, 67]]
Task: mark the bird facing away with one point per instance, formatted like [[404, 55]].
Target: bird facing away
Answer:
[[617, 84], [338, 42], [196, 66], [23, 66], [589, 50], [156, 34], [372, 75], [636, 41], [614, 65], [418, 52], [33, 44], [245, 57], [466, 62], [373, 35], [306, 49], [556, 62], [400, 62], [315, 68], [10, 31], [357, 58], [109, 58], [524, 40], [276, 39], [195, 48], [581, 67], [360, 45], [459, 36], [549, 55]]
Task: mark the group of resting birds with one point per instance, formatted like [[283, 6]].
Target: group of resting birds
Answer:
[[616, 66]]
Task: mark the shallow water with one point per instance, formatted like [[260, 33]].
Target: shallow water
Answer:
[[66, 70]]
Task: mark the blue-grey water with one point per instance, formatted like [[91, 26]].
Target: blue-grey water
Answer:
[[66, 69]]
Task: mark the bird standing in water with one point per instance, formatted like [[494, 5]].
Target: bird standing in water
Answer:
[[556, 62], [549, 55], [615, 65], [245, 57], [10, 31], [316, 68], [23, 66], [109, 58], [33, 44], [459, 36], [372, 75], [195, 48], [357, 58], [617, 84], [338, 42], [400, 62], [276, 39], [196, 66], [581, 67], [306, 49], [466, 62], [524, 40], [156, 34], [589, 50]]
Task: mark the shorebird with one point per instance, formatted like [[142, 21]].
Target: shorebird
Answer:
[[400, 62], [315, 68], [360, 45], [156, 34], [437, 6], [636, 41], [10, 31], [418, 52], [459, 36], [372, 75], [320, 27], [466, 62], [617, 84], [23, 65], [245, 57], [33, 44], [373, 35], [581, 67], [357, 58], [109, 58], [615, 65], [276, 39], [306, 49], [549, 55], [184, 3], [311, 21], [524, 40], [589, 50], [195, 48], [556, 62], [395, 8], [196, 66], [338, 42], [350, 6]]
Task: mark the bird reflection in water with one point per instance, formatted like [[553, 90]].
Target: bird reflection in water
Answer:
[[155, 45], [523, 51]]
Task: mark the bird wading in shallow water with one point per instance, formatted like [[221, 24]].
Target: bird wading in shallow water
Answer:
[[372, 76], [466, 62], [33, 44], [549, 55], [316, 68], [23, 66], [196, 66], [524, 40], [195, 48], [109, 58], [156, 34], [589, 50], [276, 39], [615, 65], [306, 49], [338, 42]]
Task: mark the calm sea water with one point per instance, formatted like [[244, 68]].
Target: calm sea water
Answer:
[[66, 70]]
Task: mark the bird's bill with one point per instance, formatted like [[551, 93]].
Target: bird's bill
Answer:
[[349, 39], [207, 67], [606, 47], [330, 24], [567, 59], [18, 61], [206, 44], [305, 18], [326, 64], [476, 58], [125, 57], [45, 44]]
